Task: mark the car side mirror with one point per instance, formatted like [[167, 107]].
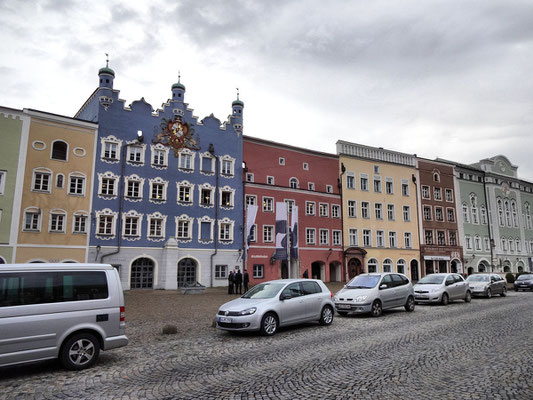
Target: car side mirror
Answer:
[[285, 296], [384, 286], [449, 283]]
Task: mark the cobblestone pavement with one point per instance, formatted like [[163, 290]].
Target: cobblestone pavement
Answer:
[[481, 350]]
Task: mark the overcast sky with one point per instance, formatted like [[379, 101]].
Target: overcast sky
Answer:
[[450, 78]]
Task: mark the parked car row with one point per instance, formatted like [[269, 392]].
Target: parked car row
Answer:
[[270, 305]]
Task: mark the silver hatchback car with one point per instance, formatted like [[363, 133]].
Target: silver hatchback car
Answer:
[[487, 285], [373, 293], [272, 304], [442, 288]]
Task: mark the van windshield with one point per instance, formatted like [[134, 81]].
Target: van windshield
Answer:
[[363, 282]]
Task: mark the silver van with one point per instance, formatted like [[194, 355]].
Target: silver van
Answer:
[[65, 311]]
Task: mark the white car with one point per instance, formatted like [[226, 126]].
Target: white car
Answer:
[[442, 288], [375, 292], [272, 304]]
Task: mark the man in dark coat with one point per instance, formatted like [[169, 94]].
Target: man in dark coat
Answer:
[[231, 279], [306, 274], [238, 282], [246, 280]]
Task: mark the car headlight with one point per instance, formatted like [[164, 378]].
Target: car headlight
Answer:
[[359, 299], [248, 311], [433, 290], [335, 299]]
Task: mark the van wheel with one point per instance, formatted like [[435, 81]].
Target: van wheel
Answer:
[[79, 352]]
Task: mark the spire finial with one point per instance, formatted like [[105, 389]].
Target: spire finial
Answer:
[[107, 60], [237, 93], [179, 76]]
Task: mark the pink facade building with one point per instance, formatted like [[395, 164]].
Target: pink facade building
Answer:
[[299, 177]]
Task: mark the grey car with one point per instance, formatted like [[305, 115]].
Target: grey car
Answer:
[[375, 292], [442, 288], [524, 282], [272, 304], [487, 285]]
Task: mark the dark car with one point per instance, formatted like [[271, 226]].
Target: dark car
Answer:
[[524, 282]]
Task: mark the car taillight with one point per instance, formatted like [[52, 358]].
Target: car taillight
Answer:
[[331, 294], [122, 314]]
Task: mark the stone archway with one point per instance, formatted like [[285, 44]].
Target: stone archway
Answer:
[[142, 273], [187, 271], [453, 266], [318, 270], [335, 273]]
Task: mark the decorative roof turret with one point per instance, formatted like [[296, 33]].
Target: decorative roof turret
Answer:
[[178, 90], [106, 75]]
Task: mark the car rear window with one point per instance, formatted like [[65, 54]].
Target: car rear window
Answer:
[[24, 288], [311, 287]]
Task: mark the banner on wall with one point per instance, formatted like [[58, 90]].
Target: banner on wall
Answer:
[[251, 213], [294, 232], [281, 231]]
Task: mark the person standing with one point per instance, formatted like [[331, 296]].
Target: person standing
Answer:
[[230, 282], [238, 282], [245, 280], [306, 274]]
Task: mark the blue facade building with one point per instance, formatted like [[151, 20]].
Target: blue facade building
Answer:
[[168, 192]]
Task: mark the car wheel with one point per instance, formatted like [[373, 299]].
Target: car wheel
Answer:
[[377, 310], [410, 304], [326, 316], [489, 293], [342, 313], [445, 299], [504, 292], [468, 297], [269, 324], [79, 352]]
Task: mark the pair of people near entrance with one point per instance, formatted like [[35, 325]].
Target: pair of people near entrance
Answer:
[[236, 280]]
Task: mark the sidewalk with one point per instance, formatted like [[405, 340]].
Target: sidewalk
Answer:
[[148, 311]]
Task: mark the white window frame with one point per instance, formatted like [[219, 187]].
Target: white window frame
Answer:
[[225, 231], [425, 192], [367, 238], [183, 155], [156, 150], [350, 180], [231, 192], [108, 175], [211, 189], [211, 170], [310, 236], [363, 182], [406, 213], [270, 180], [37, 215], [59, 219], [3, 177], [136, 151], [268, 204], [133, 179], [389, 184], [323, 237], [185, 185], [206, 220], [136, 218], [405, 187], [112, 141], [157, 216], [310, 208], [408, 240], [77, 218], [42, 172], [106, 213], [250, 200], [353, 237], [393, 240], [380, 238], [77, 176], [335, 211], [391, 212], [352, 208], [184, 219], [329, 189], [323, 210], [227, 166], [336, 237], [268, 233], [160, 182]]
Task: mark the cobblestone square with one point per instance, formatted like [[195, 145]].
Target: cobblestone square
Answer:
[[480, 350]]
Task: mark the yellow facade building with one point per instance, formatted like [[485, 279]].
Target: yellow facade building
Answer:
[[54, 220], [380, 214]]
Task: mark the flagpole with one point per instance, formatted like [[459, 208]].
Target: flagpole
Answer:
[[288, 243]]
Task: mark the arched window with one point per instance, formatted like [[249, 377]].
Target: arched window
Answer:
[[59, 150], [293, 183], [400, 266], [142, 273], [500, 213], [436, 177], [475, 215], [372, 265], [483, 211], [387, 265], [528, 215], [515, 215], [465, 213]]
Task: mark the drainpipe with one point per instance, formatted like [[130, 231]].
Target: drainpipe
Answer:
[[215, 199], [339, 184]]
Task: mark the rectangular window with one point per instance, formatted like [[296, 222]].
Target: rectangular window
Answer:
[[133, 189], [392, 239], [367, 237], [453, 238], [221, 271], [206, 197], [405, 187], [42, 182], [425, 192], [428, 236], [105, 225], [159, 158], [76, 185], [351, 209], [350, 180], [80, 224], [323, 210], [258, 272], [31, 221], [185, 161], [108, 187], [268, 204], [380, 239], [390, 212], [131, 225], [427, 213], [468, 241], [135, 154], [406, 213], [365, 209], [158, 190], [249, 177], [111, 150], [227, 167], [57, 223], [156, 227], [487, 243], [441, 238], [477, 242], [253, 234], [352, 236], [268, 234], [311, 186], [437, 193], [329, 189], [451, 214], [449, 195], [310, 235], [407, 240], [183, 229], [378, 210], [337, 238], [225, 232], [2, 181], [251, 200], [377, 185], [364, 183], [309, 208], [335, 211], [324, 237], [207, 164], [270, 180], [389, 186], [184, 194], [439, 214], [226, 199]]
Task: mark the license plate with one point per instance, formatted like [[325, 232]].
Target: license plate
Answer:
[[224, 319], [344, 306]]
